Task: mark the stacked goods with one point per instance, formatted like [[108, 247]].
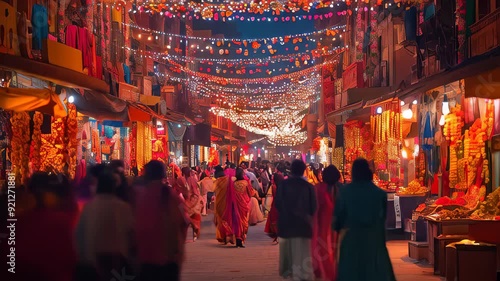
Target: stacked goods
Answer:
[[490, 208], [414, 188], [453, 132], [53, 145], [71, 139], [454, 214]]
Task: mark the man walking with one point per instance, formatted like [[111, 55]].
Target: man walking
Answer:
[[296, 204]]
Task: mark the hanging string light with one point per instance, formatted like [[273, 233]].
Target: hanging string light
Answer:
[[288, 140]]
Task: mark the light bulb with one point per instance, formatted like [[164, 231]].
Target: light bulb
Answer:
[[402, 102], [415, 102], [446, 106], [404, 154], [71, 99], [441, 121], [379, 110], [408, 114]]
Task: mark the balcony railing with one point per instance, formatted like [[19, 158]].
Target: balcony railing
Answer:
[[485, 34]]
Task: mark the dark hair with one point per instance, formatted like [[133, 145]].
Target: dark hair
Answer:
[[281, 167], [39, 182], [331, 175], [186, 171], [361, 170], [106, 182], [154, 170], [115, 164], [240, 174], [232, 165], [96, 170], [203, 175], [297, 168]]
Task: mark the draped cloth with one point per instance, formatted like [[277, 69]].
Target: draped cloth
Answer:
[[242, 195], [223, 228], [271, 228], [324, 238], [41, 100]]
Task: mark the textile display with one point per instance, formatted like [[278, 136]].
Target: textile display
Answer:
[[40, 23], [24, 100]]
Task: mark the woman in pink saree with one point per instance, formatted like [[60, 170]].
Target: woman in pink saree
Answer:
[[324, 238]]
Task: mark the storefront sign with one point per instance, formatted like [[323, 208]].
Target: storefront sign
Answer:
[[353, 76], [397, 211], [128, 92], [495, 143]]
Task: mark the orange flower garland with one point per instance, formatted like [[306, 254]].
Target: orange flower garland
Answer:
[[72, 144], [53, 147], [36, 142], [20, 145]]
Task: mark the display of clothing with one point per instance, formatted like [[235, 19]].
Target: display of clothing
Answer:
[[79, 38], [40, 23], [126, 73]]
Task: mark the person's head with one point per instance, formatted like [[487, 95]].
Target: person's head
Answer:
[[154, 171], [297, 168], [280, 167], [96, 171], [106, 183], [361, 170], [117, 166], [244, 165], [331, 175], [186, 171], [218, 172], [203, 176], [232, 166], [240, 174]]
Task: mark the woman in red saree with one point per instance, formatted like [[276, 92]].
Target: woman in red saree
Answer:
[[188, 186], [272, 220], [324, 238], [242, 193]]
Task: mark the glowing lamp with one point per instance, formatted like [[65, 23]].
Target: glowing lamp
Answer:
[[71, 99], [446, 105], [408, 114], [404, 153], [441, 121], [379, 110]]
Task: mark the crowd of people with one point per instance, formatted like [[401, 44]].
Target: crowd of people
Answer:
[[111, 225]]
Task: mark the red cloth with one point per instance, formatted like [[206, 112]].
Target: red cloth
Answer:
[[45, 247], [272, 219], [324, 239], [161, 225], [242, 194], [72, 36]]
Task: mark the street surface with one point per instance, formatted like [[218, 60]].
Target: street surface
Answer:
[[207, 260]]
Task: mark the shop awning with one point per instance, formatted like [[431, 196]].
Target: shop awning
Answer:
[[177, 117], [470, 70], [142, 113], [41, 100], [345, 109], [56, 74], [101, 106]]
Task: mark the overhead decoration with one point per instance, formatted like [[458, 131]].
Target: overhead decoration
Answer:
[[249, 10], [288, 140], [298, 75]]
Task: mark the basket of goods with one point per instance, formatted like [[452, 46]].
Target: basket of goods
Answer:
[[414, 189], [454, 214]]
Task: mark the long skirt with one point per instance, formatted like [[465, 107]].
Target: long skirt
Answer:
[[255, 215], [295, 259]]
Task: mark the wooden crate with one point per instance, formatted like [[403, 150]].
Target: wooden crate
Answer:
[[440, 244], [418, 250], [471, 263]]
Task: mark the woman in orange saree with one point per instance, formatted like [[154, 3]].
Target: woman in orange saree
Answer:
[[222, 218], [243, 193]]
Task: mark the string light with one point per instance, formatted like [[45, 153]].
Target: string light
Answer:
[[332, 30]]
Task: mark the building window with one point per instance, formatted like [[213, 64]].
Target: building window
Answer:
[[483, 8]]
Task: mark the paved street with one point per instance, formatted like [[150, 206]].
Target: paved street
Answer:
[[207, 260]]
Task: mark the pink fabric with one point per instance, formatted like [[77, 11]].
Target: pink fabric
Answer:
[[71, 36], [84, 46], [324, 238], [241, 210]]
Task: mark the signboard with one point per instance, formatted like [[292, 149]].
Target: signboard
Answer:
[[128, 92], [495, 143], [353, 76]]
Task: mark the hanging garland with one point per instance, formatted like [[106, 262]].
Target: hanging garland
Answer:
[[36, 142], [72, 140], [20, 146]]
